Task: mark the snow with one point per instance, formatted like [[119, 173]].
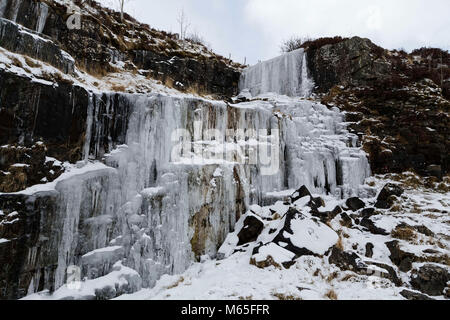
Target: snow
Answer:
[[103, 250], [244, 281], [312, 235], [274, 251], [121, 276], [149, 192], [68, 174]]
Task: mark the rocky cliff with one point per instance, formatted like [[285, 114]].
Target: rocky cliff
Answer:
[[398, 103], [102, 39]]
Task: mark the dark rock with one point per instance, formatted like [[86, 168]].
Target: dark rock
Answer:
[[14, 38], [55, 115], [435, 171], [411, 295], [327, 216], [369, 250], [251, 230], [391, 274], [346, 260], [355, 204], [384, 199], [368, 212], [430, 251], [403, 260], [300, 193], [424, 230], [346, 221], [102, 40], [352, 61], [316, 203], [430, 279], [421, 229], [404, 131], [370, 225]]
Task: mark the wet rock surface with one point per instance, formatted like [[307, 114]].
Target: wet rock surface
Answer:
[[56, 115]]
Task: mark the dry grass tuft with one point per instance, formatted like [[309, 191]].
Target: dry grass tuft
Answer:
[[31, 63], [340, 244], [118, 88], [404, 233], [176, 284], [281, 296], [331, 294]]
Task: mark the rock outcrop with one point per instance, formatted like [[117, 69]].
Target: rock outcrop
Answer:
[[398, 102], [103, 40]]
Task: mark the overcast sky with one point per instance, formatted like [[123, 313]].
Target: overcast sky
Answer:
[[255, 28]]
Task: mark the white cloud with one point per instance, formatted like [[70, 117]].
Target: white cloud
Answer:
[[256, 28], [393, 24]]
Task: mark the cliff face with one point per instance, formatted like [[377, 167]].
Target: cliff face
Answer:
[[398, 103]]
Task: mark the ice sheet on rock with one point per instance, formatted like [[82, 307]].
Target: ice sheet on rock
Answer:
[[103, 255], [285, 75], [122, 280]]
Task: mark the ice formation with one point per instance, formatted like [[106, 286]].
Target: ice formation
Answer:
[[286, 75], [180, 171]]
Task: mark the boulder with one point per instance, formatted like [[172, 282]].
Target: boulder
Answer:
[[370, 225], [346, 221], [368, 212], [251, 230], [355, 204], [403, 260], [316, 203], [411, 295], [389, 274], [369, 249], [300, 193], [305, 236], [385, 198], [346, 260], [271, 254], [430, 279], [435, 171], [327, 216]]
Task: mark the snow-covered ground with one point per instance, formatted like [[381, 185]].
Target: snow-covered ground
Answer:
[[310, 276], [314, 277]]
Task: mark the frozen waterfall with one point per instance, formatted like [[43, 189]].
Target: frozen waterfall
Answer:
[[158, 213], [286, 75]]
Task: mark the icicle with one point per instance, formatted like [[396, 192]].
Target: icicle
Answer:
[[307, 84], [89, 120], [43, 13]]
